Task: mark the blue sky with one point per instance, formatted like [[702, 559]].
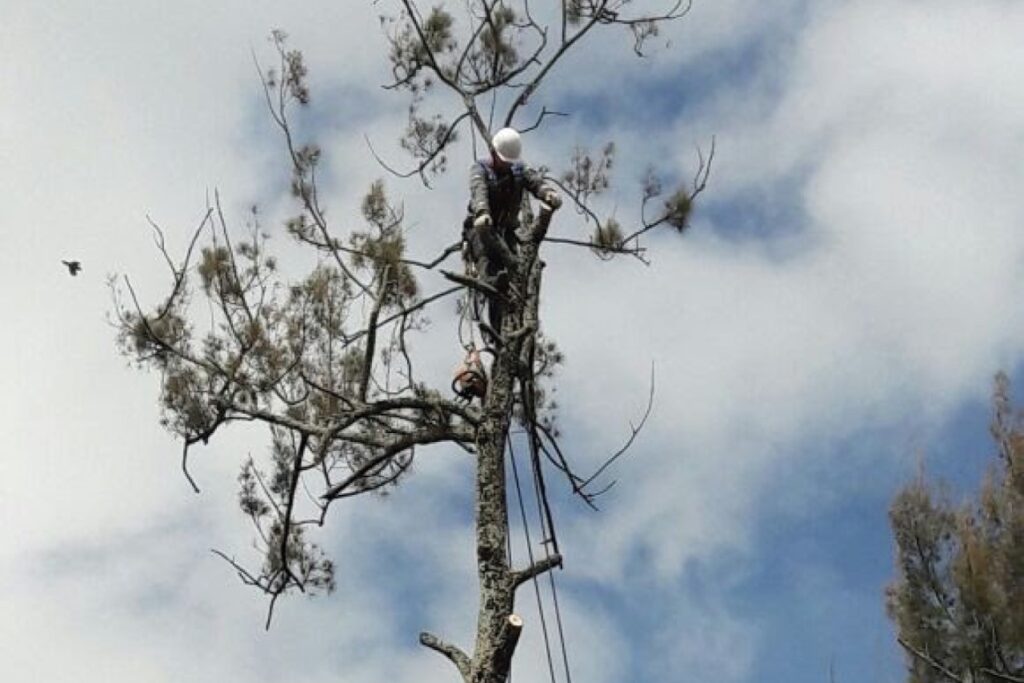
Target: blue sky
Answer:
[[835, 314]]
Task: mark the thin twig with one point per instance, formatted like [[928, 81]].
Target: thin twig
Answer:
[[930, 661], [634, 431]]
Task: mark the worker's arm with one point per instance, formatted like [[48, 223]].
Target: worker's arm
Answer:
[[478, 189], [534, 182]]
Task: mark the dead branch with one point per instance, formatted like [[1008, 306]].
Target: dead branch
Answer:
[[536, 569], [634, 431], [459, 658]]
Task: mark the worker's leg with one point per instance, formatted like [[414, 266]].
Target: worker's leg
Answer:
[[490, 265], [495, 315], [496, 248]]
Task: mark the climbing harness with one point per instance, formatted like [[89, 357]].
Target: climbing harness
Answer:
[[517, 168]]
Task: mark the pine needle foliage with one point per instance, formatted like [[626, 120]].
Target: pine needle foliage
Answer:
[[958, 594]]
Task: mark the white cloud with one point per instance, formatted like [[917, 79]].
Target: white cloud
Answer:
[[897, 305]]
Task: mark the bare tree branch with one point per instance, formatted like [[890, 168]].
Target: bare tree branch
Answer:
[[459, 658], [538, 568], [634, 431]]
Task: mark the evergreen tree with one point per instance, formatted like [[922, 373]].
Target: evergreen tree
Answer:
[[327, 363], [958, 599]]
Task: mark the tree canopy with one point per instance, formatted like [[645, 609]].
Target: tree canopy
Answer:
[[957, 597], [327, 362]]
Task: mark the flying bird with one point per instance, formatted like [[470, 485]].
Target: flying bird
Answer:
[[73, 266]]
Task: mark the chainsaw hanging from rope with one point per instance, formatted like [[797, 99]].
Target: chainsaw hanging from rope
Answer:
[[470, 380]]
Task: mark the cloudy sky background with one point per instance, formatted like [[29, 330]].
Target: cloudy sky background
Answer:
[[846, 292]]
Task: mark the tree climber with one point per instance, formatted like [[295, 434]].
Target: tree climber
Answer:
[[496, 194]]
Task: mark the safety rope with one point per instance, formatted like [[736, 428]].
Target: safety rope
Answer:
[[530, 412], [466, 321], [561, 632], [543, 504], [529, 552], [538, 484], [508, 548]]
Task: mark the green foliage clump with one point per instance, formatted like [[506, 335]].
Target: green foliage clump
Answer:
[[293, 70], [381, 248], [410, 53], [496, 43], [185, 402], [152, 337], [252, 504], [608, 236], [423, 138], [574, 11], [214, 268], [589, 174], [437, 31], [677, 209]]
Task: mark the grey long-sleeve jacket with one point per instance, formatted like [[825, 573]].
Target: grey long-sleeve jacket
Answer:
[[501, 194]]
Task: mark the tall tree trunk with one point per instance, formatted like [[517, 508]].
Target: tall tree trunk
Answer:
[[494, 638], [498, 628]]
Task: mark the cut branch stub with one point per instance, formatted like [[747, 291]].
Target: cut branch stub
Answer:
[[508, 639]]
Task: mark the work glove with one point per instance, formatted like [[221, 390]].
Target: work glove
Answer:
[[482, 220], [552, 199]]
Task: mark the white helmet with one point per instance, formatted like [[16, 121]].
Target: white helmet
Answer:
[[507, 144]]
